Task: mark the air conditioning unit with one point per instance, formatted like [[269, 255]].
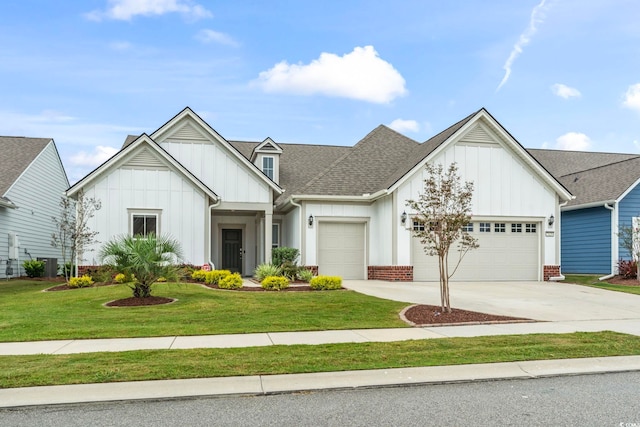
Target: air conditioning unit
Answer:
[[14, 246]]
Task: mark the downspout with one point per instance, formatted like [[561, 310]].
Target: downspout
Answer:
[[561, 276], [211, 207], [302, 233], [612, 209]]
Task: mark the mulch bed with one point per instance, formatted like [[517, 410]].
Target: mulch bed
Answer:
[[619, 280], [433, 315], [137, 302], [299, 288], [66, 287]]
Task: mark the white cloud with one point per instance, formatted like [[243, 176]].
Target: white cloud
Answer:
[[120, 46], [402, 125], [211, 36], [565, 91], [99, 155], [574, 141], [361, 74], [537, 16], [632, 97], [125, 10]]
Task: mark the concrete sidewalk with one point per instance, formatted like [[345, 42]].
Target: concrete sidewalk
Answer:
[[630, 326], [273, 384]]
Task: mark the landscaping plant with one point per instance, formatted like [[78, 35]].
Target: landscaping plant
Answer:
[[275, 283], [325, 283], [230, 281], [145, 258], [80, 282], [34, 268], [214, 277], [265, 270]]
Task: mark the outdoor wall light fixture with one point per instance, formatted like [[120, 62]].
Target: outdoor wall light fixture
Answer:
[[310, 220], [551, 220], [403, 218]]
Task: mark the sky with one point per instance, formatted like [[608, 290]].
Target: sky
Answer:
[[557, 74]]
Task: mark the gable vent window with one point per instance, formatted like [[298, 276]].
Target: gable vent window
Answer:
[[267, 166]]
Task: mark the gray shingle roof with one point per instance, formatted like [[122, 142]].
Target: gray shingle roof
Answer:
[[591, 177], [17, 154]]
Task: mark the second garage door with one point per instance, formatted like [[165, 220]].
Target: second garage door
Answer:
[[341, 249], [508, 251]]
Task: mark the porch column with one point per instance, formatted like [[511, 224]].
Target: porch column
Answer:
[[268, 221]]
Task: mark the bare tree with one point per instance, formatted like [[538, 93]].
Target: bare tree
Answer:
[[444, 208], [73, 234], [630, 240]]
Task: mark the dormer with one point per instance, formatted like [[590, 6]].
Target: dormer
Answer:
[[266, 156]]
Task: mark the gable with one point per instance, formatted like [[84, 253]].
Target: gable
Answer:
[[144, 158]]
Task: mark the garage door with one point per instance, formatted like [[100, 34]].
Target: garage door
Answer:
[[508, 251], [341, 249]]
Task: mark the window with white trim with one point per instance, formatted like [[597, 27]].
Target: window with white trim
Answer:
[[267, 166], [485, 227], [500, 227], [516, 228], [144, 224], [530, 228], [275, 236]]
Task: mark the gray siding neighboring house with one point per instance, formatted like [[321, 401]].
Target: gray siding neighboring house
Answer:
[[32, 181]]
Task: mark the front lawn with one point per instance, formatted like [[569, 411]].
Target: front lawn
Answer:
[[591, 280], [37, 370], [28, 314]]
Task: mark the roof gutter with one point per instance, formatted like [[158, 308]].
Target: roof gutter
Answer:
[[589, 205], [366, 197]]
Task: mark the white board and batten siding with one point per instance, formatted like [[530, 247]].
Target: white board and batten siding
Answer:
[[149, 185], [36, 193], [215, 165], [506, 189]]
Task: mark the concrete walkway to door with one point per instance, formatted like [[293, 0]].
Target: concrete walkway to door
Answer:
[[550, 301]]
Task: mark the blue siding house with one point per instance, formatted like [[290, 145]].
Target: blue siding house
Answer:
[[32, 181], [607, 196]]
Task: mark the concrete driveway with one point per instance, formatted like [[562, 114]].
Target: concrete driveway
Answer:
[[532, 300]]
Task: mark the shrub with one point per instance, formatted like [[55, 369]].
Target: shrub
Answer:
[[214, 277], [199, 275], [120, 278], [184, 271], [34, 268], [161, 279], [305, 274], [265, 270], [279, 256], [275, 283], [290, 270], [80, 282], [325, 283], [68, 269], [102, 273], [230, 281], [628, 269]]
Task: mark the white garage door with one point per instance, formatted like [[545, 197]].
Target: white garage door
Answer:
[[508, 251], [341, 249]]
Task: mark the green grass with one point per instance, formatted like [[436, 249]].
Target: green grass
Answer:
[[591, 280], [25, 371], [27, 314]]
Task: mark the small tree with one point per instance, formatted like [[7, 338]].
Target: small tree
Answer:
[[73, 235], [630, 240], [145, 259], [444, 208]]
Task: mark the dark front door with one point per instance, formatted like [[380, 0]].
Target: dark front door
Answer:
[[232, 250]]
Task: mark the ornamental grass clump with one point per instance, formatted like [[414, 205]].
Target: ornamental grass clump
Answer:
[[265, 270], [275, 283], [230, 281], [325, 283]]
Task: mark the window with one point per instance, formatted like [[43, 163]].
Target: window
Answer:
[[275, 236], [144, 225], [468, 227], [530, 228], [267, 166], [418, 226], [485, 227], [500, 227], [516, 228]]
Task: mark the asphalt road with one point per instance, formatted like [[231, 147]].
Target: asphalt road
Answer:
[[588, 400]]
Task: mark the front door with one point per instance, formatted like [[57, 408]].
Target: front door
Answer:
[[232, 250]]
